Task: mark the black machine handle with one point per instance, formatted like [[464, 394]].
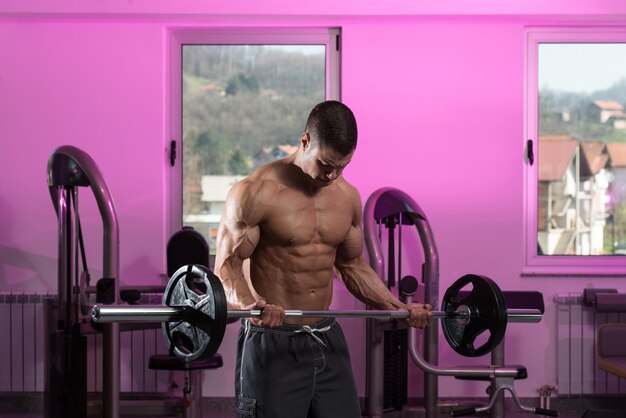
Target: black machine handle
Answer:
[[546, 412], [464, 411]]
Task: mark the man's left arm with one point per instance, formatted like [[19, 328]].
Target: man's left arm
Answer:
[[365, 284]]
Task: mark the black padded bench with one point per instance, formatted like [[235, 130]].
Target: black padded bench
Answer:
[[514, 299], [192, 389], [187, 246], [168, 362], [611, 343], [522, 373]]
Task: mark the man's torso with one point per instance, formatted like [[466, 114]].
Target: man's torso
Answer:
[[300, 231]]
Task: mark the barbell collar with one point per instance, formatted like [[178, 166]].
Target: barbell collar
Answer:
[[136, 313], [524, 315], [154, 313]]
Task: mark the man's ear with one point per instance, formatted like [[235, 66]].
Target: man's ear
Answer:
[[305, 140]]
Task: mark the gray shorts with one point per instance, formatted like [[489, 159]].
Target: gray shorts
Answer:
[[295, 372]]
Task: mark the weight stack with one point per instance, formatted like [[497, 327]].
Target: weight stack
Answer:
[[395, 389], [65, 393]]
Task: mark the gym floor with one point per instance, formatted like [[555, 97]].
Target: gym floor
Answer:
[[520, 414], [568, 408]]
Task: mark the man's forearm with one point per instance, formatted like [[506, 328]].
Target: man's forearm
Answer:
[[238, 294], [365, 285]]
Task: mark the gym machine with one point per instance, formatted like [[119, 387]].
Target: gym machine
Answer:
[[65, 379], [393, 208]]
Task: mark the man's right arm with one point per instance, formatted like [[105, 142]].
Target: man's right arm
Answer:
[[237, 237]]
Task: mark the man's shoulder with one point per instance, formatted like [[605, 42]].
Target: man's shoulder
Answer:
[[267, 171], [354, 197], [262, 179], [348, 189]]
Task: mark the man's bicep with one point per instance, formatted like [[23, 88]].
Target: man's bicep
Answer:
[[237, 240], [238, 233]]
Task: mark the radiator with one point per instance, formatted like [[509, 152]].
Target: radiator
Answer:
[[21, 343], [22, 350], [577, 371]]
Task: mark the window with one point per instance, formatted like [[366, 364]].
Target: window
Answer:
[[576, 130], [240, 99]]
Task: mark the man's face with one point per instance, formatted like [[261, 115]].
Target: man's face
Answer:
[[323, 164]]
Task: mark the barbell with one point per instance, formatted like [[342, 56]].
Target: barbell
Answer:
[[195, 314]]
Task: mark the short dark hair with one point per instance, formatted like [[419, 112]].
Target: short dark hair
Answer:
[[333, 124]]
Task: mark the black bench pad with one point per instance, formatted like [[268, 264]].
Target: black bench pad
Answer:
[[167, 362]]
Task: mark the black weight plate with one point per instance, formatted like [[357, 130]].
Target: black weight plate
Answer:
[[200, 293], [487, 310]]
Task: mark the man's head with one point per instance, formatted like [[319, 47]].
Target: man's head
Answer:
[[328, 142], [332, 124]]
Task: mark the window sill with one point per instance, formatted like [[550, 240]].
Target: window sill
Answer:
[[554, 270]]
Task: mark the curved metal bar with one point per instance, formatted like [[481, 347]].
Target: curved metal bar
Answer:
[[489, 372], [511, 390], [69, 167], [383, 203], [386, 202]]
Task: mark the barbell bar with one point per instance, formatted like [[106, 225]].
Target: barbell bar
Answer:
[[194, 314], [151, 313]]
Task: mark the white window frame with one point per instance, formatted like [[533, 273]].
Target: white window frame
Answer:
[[177, 37], [556, 265]]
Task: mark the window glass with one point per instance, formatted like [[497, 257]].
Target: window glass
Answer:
[[575, 149], [243, 105], [581, 149]]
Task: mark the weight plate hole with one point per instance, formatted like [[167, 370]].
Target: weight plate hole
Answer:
[[183, 342], [467, 289], [482, 338], [196, 284]]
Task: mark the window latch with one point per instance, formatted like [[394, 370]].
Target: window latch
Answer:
[[172, 153], [529, 151]]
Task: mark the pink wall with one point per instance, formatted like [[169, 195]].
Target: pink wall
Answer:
[[312, 8], [79, 83], [440, 106]]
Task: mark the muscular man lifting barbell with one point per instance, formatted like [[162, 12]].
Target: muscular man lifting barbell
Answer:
[[298, 221]]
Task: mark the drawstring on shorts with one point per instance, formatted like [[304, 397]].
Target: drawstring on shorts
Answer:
[[312, 332]]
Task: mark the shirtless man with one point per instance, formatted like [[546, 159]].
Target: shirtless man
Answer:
[[298, 221]]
